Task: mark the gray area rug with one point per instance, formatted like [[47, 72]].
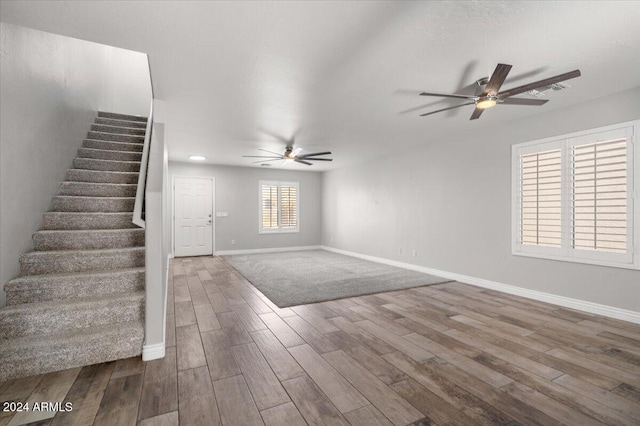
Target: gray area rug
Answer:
[[301, 277]]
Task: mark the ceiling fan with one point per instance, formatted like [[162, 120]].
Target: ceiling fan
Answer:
[[291, 154], [492, 96]]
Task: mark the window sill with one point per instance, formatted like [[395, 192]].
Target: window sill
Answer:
[[594, 262], [278, 231]]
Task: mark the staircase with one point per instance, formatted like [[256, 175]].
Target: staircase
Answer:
[[80, 297]]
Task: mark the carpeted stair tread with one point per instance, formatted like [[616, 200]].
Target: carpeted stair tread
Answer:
[[63, 286], [104, 136], [106, 165], [87, 239], [97, 189], [71, 203], [101, 176], [118, 129], [47, 262], [111, 145], [58, 316], [107, 154], [128, 117], [121, 123], [81, 220], [27, 356]]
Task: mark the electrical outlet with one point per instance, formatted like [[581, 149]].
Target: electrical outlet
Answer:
[[233, 242], [414, 253]]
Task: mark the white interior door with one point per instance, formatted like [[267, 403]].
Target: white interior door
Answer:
[[193, 216]]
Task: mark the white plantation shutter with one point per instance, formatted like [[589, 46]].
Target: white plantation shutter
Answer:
[[574, 197], [289, 206], [279, 210], [541, 198], [600, 196], [269, 206]]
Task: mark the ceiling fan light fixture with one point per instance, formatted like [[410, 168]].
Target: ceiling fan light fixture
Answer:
[[492, 96], [486, 103]]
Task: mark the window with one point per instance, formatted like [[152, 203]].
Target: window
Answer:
[[279, 210], [574, 199]]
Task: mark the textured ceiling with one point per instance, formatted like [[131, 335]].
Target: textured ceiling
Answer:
[[344, 76]]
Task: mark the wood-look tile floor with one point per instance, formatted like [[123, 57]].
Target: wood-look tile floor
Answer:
[[444, 354]]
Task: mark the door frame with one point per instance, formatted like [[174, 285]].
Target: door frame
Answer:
[[173, 211]]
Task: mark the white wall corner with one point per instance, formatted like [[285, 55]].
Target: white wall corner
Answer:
[[151, 352], [567, 302]]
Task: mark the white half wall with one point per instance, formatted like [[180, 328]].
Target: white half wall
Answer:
[[156, 258], [450, 201], [51, 89], [236, 193]]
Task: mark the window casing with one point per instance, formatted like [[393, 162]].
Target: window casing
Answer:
[[279, 207], [575, 197]]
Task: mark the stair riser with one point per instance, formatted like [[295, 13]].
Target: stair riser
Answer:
[[117, 129], [36, 263], [54, 220], [92, 204], [127, 117], [97, 189], [112, 146], [109, 155], [121, 123], [43, 288], [115, 137], [99, 176], [47, 321], [61, 354], [87, 240], [106, 165]]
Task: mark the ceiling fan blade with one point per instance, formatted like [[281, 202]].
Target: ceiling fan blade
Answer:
[[497, 78], [297, 160], [535, 85], [445, 109], [314, 154], [270, 152], [476, 113], [446, 95], [266, 161], [315, 159], [520, 101], [263, 156]]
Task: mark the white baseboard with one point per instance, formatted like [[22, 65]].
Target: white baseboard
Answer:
[[151, 352], [567, 302], [157, 350], [266, 250]]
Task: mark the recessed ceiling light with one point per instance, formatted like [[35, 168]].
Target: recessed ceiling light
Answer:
[[197, 157]]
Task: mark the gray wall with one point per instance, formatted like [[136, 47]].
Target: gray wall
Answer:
[[236, 192], [450, 200], [51, 89]]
